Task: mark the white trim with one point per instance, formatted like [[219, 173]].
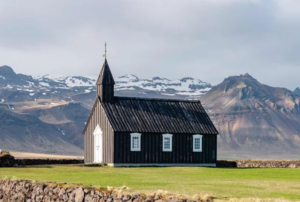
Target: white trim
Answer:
[[171, 141], [162, 165], [138, 135], [197, 136]]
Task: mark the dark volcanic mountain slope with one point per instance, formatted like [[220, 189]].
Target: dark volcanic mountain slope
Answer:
[[254, 120], [24, 132], [297, 91], [9, 77], [68, 119]]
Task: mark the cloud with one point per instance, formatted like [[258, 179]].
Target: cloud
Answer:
[[206, 39]]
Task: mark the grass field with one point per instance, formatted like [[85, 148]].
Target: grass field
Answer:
[[263, 183]]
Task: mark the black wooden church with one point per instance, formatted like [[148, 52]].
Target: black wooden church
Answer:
[[130, 131]]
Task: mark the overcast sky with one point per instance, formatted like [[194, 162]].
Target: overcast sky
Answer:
[[205, 39]]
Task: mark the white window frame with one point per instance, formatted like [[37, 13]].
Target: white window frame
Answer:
[[197, 136], [131, 141], [171, 142]]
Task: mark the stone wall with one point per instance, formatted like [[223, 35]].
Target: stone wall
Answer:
[[258, 164], [26, 191], [10, 161]]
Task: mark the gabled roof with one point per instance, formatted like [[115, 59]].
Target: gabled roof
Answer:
[[158, 116], [105, 76]]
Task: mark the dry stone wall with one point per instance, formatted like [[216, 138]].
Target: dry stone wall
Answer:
[[7, 160], [258, 164], [10, 161], [26, 191]]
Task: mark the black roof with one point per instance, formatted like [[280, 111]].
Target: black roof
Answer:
[[105, 76], [128, 114]]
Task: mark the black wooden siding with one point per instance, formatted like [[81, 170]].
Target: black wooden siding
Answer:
[[151, 149], [106, 93], [98, 117]]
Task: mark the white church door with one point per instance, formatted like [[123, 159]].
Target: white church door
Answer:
[[98, 145]]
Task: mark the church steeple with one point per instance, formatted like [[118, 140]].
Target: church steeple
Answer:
[[105, 84]]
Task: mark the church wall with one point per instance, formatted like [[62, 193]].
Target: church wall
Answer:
[[98, 117], [152, 151]]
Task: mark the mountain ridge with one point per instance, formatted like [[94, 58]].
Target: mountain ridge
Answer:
[[254, 120]]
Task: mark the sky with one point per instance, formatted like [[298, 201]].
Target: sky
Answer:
[[205, 39]]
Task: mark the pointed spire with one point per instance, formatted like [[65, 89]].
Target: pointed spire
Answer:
[[105, 76]]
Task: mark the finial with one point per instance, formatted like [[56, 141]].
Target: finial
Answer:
[[105, 50]]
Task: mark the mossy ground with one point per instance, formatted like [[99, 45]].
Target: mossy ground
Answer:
[[261, 183]]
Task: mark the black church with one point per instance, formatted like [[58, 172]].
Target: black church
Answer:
[[131, 131]]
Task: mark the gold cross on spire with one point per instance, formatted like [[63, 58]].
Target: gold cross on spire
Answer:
[[105, 50]]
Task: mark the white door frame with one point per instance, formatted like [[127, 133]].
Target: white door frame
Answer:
[[98, 145]]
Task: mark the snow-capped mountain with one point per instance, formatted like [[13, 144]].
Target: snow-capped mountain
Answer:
[[65, 81], [61, 105], [20, 87], [47, 114], [188, 87]]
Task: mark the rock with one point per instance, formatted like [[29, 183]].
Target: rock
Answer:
[[79, 195], [135, 195], [64, 197], [61, 192], [47, 199], [120, 196], [1, 194], [88, 198], [114, 195], [46, 191], [149, 199], [110, 200], [72, 196], [56, 190], [21, 197], [39, 198], [33, 196], [126, 198], [96, 198], [174, 199], [139, 199], [69, 190]]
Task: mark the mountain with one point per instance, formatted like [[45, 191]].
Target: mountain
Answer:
[[55, 108], [297, 91], [48, 113], [24, 132], [185, 88], [254, 120]]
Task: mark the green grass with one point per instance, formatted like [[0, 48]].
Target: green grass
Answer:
[[273, 183]]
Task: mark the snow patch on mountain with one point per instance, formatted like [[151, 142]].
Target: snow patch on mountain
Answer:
[[129, 84], [186, 86], [65, 81]]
